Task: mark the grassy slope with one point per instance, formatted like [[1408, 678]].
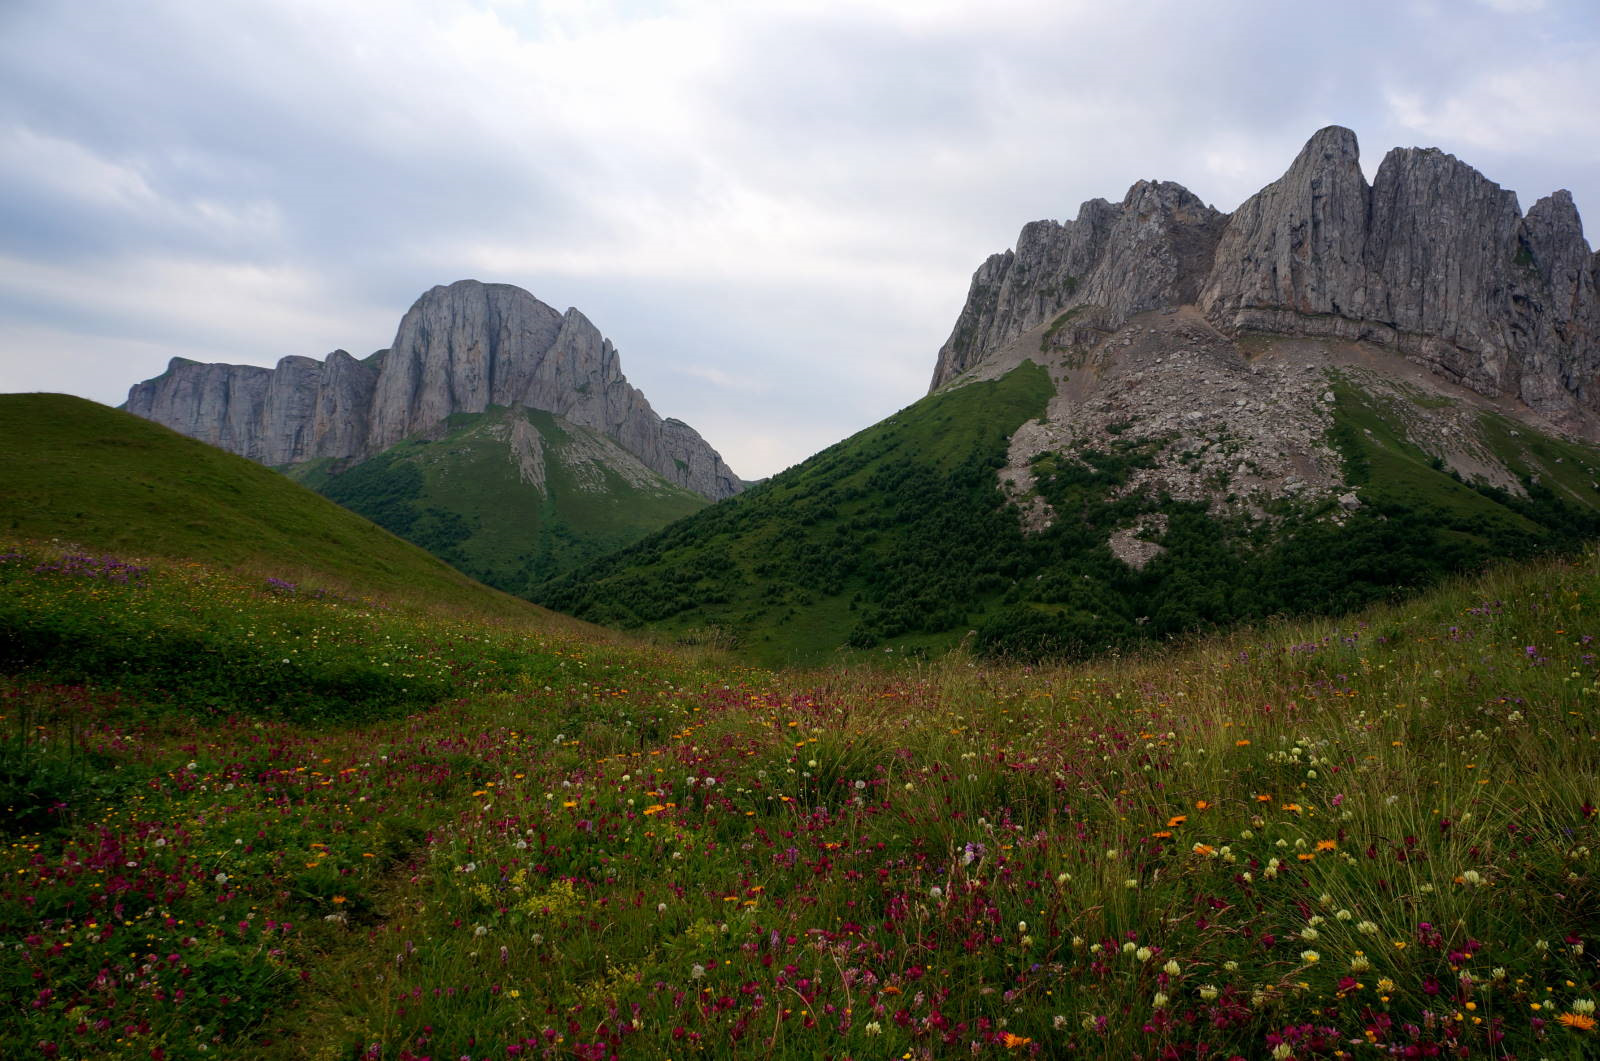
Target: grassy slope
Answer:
[[898, 538], [462, 498], [1273, 844], [783, 567], [81, 472]]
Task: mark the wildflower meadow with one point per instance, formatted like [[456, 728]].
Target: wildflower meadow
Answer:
[[251, 819]]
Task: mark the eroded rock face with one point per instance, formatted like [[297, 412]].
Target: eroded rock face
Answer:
[[1146, 252], [1432, 259], [459, 349]]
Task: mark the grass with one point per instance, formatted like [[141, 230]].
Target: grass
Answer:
[[82, 473], [1400, 470], [897, 542], [1373, 837], [781, 564], [462, 497]]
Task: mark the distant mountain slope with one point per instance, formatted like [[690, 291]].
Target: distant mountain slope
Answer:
[[459, 349], [101, 478], [512, 497], [1432, 260], [1165, 417]]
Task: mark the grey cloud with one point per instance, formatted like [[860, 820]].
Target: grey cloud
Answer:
[[799, 206]]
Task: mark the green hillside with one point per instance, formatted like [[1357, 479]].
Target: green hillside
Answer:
[[899, 540], [510, 506], [333, 830], [79, 472]]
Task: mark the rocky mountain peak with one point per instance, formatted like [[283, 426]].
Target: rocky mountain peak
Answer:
[[461, 348], [1144, 252], [1432, 260]]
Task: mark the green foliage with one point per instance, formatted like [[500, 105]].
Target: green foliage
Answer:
[[900, 538], [219, 644], [80, 472], [895, 532], [464, 498], [1318, 835]]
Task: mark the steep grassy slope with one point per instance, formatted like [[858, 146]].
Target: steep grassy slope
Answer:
[[894, 533], [1370, 838], [900, 539], [80, 472], [512, 497]]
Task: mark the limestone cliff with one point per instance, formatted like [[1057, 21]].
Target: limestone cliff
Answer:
[[459, 349], [1432, 259]]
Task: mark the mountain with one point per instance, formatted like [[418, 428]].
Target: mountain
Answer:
[[78, 472], [1159, 417], [568, 461], [459, 349], [511, 496]]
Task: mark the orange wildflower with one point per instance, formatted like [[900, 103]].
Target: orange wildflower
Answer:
[[1176, 820], [1327, 845], [1011, 1042], [1581, 1021]]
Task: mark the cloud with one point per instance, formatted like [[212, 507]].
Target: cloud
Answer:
[[773, 209]]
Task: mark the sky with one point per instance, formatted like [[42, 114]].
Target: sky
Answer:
[[772, 209]]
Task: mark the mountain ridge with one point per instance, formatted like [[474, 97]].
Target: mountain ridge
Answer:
[[1432, 259], [460, 348], [1158, 417]]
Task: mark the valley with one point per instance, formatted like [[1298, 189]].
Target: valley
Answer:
[[1204, 668]]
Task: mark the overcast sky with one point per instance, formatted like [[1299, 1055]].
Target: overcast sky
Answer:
[[773, 209]]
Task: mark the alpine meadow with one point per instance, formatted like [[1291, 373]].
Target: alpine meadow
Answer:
[[1205, 668]]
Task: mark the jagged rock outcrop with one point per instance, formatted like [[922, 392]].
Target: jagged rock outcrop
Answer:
[[459, 349], [1432, 259], [1145, 252]]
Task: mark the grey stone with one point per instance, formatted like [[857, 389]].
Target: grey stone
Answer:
[[459, 349], [1432, 260]]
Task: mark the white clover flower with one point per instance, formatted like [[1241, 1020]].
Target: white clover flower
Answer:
[[1171, 968], [1144, 954], [1209, 992], [697, 972], [1160, 1001]]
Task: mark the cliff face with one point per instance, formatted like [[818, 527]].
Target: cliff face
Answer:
[[1432, 259], [1143, 253], [459, 349]]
